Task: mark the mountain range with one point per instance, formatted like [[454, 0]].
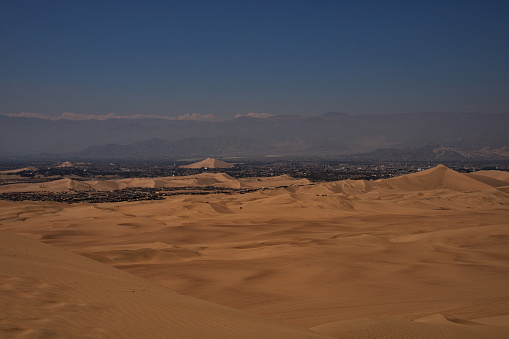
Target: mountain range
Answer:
[[395, 136], [434, 152]]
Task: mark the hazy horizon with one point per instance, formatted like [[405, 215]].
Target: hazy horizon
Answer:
[[459, 135], [200, 117]]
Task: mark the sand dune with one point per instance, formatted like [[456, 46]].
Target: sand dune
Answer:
[[199, 180], [30, 168], [488, 180], [47, 292], [436, 326], [65, 164], [349, 258], [209, 163], [60, 185], [499, 175], [280, 180], [437, 177]]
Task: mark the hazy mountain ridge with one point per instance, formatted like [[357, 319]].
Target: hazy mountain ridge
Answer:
[[331, 133], [163, 148], [435, 152], [205, 146]]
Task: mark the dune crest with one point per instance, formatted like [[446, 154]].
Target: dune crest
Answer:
[[198, 180], [209, 163], [433, 178]]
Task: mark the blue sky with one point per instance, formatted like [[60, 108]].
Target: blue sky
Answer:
[[235, 57]]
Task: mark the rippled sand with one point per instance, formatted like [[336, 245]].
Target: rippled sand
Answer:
[[423, 254]]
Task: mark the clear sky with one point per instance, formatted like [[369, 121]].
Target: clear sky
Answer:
[[235, 57]]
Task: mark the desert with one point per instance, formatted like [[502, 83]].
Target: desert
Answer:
[[419, 255], [254, 169]]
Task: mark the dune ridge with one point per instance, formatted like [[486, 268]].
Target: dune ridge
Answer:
[[199, 180], [209, 163], [373, 255], [13, 171]]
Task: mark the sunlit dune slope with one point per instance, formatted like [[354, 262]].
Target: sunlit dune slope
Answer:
[[47, 292], [440, 177], [436, 326], [209, 163], [433, 242], [199, 180], [29, 168], [437, 177]]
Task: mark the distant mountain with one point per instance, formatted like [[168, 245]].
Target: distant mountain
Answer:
[[331, 134], [434, 153], [159, 148], [202, 147]]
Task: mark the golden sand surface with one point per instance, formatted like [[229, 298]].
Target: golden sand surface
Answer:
[[417, 256], [50, 293], [199, 180], [209, 163]]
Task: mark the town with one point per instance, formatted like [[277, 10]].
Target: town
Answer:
[[315, 170]]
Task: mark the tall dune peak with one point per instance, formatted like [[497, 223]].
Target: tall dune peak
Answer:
[[439, 176], [209, 163]]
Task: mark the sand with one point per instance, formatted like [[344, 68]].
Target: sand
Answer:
[[423, 255], [434, 326], [199, 180], [30, 168], [209, 163], [48, 292]]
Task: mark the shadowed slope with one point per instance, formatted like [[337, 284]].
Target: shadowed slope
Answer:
[[499, 175]]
